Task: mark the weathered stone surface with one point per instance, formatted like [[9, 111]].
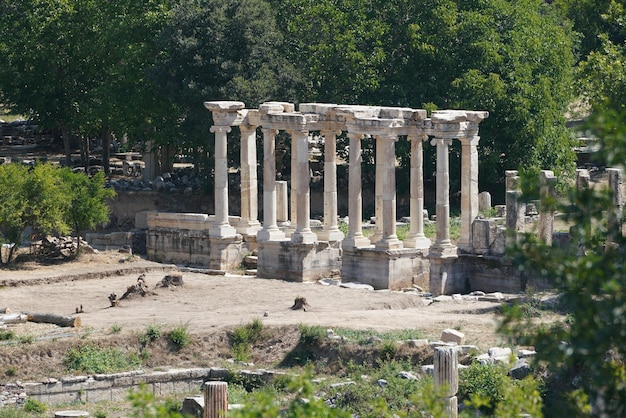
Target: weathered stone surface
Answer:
[[452, 336]]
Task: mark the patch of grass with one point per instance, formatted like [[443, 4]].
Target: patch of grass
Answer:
[[362, 337], [402, 232], [365, 396], [153, 333], [241, 339], [33, 405], [13, 412], [116, 329], [11, 371], [180, 336], [6, 335], [311, 335], [388, 350], [94, 359], [26, 339]]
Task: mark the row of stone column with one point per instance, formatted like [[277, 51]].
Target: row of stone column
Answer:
[[516, 208], [444, 127]]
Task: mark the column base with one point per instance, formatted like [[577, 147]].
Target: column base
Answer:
[[388, 244], [443, 250], [303, 237], [419, 242], [330, 235], [273, 234], [465, 246], [222, 231], [248, 227], [355, 242]]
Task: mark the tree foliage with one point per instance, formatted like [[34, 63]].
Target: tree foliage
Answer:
[[50, 200], [587, 349]]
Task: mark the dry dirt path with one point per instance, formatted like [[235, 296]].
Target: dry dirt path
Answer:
[[207, 303]]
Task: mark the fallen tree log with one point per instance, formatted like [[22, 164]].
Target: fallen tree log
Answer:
[[15, 318], [60, 320]]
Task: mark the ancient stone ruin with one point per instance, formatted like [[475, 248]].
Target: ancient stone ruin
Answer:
[[289, 248]]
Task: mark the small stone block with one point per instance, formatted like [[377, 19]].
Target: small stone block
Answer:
[[452, 336]]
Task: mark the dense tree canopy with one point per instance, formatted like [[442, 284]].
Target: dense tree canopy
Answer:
[[144, 68]]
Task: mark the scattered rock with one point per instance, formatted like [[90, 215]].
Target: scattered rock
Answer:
[[357, 285], [407, 375]]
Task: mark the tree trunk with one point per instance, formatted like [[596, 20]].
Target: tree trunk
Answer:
[[66, 146], [167, 159], [60, 320], [106, 143], [15, 318]]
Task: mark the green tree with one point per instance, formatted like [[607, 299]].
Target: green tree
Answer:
[[585, 353], [35, 198], [88, 201], [218, 50], [12, 204], [81, 66], [512, 58]]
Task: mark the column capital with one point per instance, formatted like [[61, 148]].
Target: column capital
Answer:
[[269, 131], [220, 129], [247, 128], [470, 140], [327, 132], [422, 136], [354, 135], [441, 141], [386, 136]]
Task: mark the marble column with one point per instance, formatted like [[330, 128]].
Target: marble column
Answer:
[[331, 230], [443, 246], [355, 238], [293, 201], [151, 162], [416, 238], [386, 172], [249, 223], [615, 212], [378, 192], [270, 231], [221, 227], [469, 190], [446, 378], [301, 178], [547, 205], [515, 208]]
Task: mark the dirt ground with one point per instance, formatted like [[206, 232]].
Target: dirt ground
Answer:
[[210, 305], [207, 302]]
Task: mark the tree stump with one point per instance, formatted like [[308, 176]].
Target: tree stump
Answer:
[[140, 288], [113, 300], [300, 303], [172, 280]]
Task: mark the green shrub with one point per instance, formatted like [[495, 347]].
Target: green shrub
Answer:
[[388, 350], [482, 382], [153, 333], [33, 405], [311, 335], [6, 335], [93, 359], [11, 371], [241, 339], [116, 329], [180, 336]]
